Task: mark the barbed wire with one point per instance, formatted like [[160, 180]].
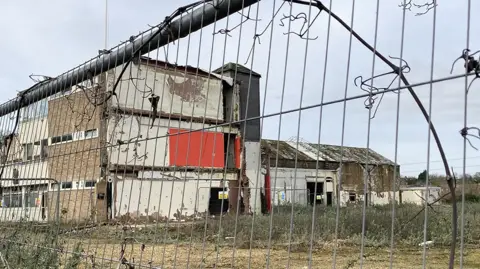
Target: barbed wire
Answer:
[[465, 132], [427, 6], [373, 91], [470, 64]]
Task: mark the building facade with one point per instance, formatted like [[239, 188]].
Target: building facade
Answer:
[[307, 173], [167, 144], [170, 142]]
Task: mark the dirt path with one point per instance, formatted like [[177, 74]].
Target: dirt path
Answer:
[[184, 256]]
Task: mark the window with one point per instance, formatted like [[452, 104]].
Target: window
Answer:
[[6, 200], [27, 152], [90, 184], [91, 133], [60, 94], [66, 185], [44, 149], [16, 200], [67, 137], [62, 138], [56, 139], [31, 199], [352, 197], [36, 110]]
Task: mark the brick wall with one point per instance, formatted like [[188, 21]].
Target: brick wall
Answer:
[[75, 205], [74, 160], [72, 113], [78, 160]]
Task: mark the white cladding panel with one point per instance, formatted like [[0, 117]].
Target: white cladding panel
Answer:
[[151, 148], [180, 94]]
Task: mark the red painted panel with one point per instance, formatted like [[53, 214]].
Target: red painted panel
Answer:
[[238, 151], [211, 145]]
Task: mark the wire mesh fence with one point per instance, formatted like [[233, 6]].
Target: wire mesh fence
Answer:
[[243, 133]]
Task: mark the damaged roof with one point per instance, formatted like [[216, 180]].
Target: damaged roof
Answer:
[[187, 68], [287, 150]]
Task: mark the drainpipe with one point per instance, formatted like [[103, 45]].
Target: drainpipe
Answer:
[[268, 192]]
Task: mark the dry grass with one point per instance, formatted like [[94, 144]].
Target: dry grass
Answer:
[[347, 257], [180, 245]]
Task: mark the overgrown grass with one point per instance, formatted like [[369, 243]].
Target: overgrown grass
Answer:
[[297, 227], [25, 247]]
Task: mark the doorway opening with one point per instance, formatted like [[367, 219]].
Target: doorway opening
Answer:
[[315, 195], [217, 197]]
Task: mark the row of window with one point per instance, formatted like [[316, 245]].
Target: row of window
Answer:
[[39, 109], [75, 185], [13, 197], [32, 152], [34, 111]]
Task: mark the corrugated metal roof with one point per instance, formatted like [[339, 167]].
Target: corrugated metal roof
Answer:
[[287, 150]]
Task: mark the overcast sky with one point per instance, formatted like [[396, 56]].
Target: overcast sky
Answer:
[[50, 37]]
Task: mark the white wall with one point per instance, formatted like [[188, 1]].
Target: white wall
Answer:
[[252, 170], [296, 190], [149, 197], [30, 170], [205, 103], [18, 213], [156, 147], [382, 198], [33, 130], [409, 195], [416, 195]]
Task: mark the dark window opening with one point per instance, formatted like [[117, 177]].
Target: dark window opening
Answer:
[[56, 139], [218, 202], [229, 154], [62, 138], [91, 133], [67, 137], [66, 185], [90, 184], [352, 197]]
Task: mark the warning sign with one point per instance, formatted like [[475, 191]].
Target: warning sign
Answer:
[[222, 195]]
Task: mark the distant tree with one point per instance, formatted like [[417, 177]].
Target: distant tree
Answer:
[[476, 177], [422, 177]]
